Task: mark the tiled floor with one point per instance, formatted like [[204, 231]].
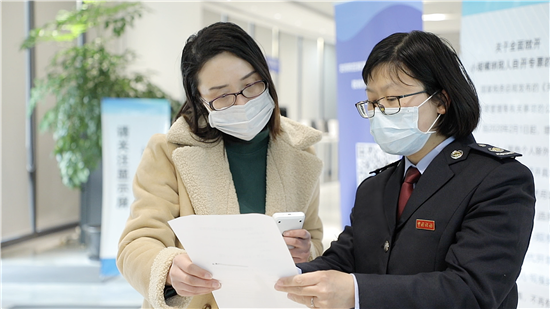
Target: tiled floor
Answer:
[[55, 271], [52, 272]]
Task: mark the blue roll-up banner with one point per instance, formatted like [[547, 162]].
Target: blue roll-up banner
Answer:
[[126, 124], [505, 49], [359, 26]]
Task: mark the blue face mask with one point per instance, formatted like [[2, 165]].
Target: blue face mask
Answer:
[[399, 134]]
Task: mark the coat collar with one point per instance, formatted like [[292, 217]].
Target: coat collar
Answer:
[[293, 133], [438, 173], [206, 176]]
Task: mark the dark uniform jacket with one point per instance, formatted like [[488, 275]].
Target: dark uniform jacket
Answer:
[[459, 243]]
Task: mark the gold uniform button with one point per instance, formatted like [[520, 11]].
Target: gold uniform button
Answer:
[[207, 306], [386, 246]]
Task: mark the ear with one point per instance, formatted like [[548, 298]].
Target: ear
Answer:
[[445, 102]]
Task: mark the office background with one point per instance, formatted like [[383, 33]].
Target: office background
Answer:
[[301, 35]]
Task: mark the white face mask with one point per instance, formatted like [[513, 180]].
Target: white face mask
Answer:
[[244, 121], [399, 134]]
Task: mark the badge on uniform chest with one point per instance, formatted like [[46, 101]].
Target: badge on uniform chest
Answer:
[[425, 225]]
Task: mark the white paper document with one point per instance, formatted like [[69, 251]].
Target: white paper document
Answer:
[[246, 253]]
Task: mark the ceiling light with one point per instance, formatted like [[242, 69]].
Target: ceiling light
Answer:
[[434, 17]]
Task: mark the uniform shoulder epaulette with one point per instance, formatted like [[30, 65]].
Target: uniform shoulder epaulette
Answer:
[[379, 170], [494, 151]]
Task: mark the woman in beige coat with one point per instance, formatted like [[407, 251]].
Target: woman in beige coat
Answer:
[[228, 152]]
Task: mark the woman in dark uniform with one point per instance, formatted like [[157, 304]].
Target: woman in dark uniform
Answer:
[[459, 239]]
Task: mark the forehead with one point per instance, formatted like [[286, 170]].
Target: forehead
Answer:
[[223, 69], [390, 77]]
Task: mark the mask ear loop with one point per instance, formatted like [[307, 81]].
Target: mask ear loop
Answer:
[[435, 121], [428, 98]]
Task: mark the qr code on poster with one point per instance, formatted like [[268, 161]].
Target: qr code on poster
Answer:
[[369, 157]]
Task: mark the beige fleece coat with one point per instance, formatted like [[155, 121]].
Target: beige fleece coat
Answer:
[[179, 176]]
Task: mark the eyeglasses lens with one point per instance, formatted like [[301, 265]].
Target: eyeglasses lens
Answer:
[[223, 102], [254, 90], [251, 91]]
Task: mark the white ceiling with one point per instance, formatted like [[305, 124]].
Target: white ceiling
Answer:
[[306, 19], [316, 18], [452, 11]]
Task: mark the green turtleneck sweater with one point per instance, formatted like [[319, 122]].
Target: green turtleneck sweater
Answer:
[[247, 162]]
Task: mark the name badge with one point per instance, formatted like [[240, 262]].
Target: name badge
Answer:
[[425, 225]]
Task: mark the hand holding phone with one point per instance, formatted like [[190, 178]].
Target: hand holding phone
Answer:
[[289, 221]]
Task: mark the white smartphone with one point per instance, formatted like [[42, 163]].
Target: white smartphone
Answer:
[[289, 220]]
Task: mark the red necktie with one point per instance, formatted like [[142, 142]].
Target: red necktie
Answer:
[[406, 189]]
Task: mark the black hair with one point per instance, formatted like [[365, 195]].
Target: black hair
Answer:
[[431, 60], [203, 46]]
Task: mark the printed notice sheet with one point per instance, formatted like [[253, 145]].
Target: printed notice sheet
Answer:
[[246, 253]]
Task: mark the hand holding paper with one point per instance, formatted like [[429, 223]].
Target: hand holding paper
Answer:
[[322, 289], [246, 253], [189, 279]]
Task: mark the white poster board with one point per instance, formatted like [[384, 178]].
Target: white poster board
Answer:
[[127, 124], [369, 157], [505, 49]]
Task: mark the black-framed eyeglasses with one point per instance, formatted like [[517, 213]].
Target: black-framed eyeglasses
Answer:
[[227, 100], [389, 105]]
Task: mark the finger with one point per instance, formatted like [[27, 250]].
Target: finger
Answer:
[[283, 283], [292, 241], [304, 234], [180, 277], [298, 280], [183, 263], [187, 290], [187, 285], [301, 290], [199, 282], [297, 259], [199, 272], [306, 300], [298, 243]]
